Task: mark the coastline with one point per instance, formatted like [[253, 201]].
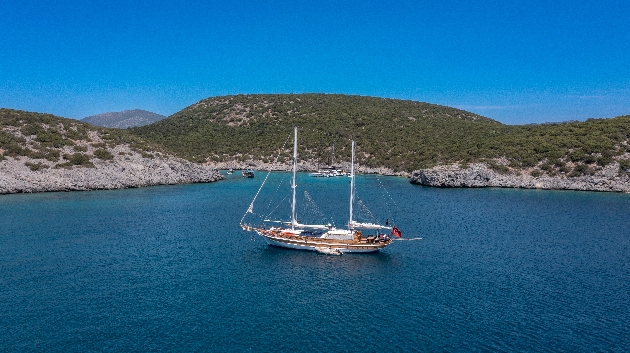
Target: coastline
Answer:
[[132, 170], [304, 167], [479, 175], [124, 171]]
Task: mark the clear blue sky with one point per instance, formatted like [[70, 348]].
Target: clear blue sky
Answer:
[[513, 61]]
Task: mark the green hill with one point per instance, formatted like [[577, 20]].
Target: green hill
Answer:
[[388, 132], [63, 142], [397, 134]]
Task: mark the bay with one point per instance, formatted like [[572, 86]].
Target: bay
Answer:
[[168, 269]]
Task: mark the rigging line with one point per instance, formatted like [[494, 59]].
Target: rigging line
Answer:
[[275, 193], [279, 203], [386, 202], [250, 209], [364, 208], [388, 194], [318, 211]]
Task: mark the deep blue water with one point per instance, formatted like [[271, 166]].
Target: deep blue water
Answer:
[[168, 269]]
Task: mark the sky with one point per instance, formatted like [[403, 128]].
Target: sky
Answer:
[[517, 62]]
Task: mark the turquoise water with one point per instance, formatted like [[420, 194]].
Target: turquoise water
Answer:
[[168, 269]]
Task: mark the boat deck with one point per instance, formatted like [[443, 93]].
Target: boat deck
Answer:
[[358, 244]]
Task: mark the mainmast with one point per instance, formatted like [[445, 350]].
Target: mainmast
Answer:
[[332, 158], [293, 221], [351, 185]]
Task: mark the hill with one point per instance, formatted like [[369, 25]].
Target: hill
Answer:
[[42, 152], [124, 119], [400, 135], [392, 133]]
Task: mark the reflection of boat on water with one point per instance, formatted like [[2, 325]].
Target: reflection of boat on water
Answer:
[[319, 237], [249, 173]]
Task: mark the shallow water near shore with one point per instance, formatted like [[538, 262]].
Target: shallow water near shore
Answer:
[[168, 269]]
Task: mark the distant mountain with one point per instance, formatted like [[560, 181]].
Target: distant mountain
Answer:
[[124, 119]]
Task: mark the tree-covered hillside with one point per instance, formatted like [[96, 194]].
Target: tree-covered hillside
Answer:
[[60, 143], [397, 134], [388, 132]]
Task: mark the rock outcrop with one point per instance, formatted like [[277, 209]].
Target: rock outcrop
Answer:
[[42, 152], [123, 171], [480, 175]]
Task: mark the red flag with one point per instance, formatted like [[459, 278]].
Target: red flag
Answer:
[[396, 232]]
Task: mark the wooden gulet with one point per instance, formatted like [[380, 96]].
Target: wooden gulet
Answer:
[[326, 238]]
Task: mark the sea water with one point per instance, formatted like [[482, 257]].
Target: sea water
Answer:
[[167, 268]]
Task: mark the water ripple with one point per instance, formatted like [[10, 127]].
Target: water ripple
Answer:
[[167, 269]]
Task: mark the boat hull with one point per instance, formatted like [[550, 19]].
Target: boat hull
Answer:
[[322, 245]]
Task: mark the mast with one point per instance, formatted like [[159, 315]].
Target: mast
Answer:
[[293, 221], [351, 186], [332, 158]]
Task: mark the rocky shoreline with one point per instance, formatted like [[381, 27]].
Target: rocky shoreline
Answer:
[[124, 171], [131, 170], [304, 167], [479, 175]]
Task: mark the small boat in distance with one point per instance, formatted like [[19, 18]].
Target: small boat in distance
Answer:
[[322, 238], [328, 172], [249, 173], [331, 171]]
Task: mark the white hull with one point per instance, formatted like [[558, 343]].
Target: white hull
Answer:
[[323, 246]]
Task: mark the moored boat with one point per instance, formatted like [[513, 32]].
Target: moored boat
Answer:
[[325, 239], [248, 173]]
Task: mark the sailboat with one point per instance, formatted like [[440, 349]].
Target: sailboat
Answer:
[[330, 171], [323, 238]]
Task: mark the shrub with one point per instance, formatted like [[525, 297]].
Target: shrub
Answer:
[[529, 162], [78, 159], [52, 155], [36, 166], [80, 148], [32, 129], [576, 155], [580, 170], [564, 169], [558, 163], [103, 154], [536, 173], [501, 169], [546, 166], [604, 161]]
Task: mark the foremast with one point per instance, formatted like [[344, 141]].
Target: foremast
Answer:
[[351, 187], [293, 186]]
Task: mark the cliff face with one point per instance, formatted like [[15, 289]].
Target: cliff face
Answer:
[[125, 170], [479, 175]]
